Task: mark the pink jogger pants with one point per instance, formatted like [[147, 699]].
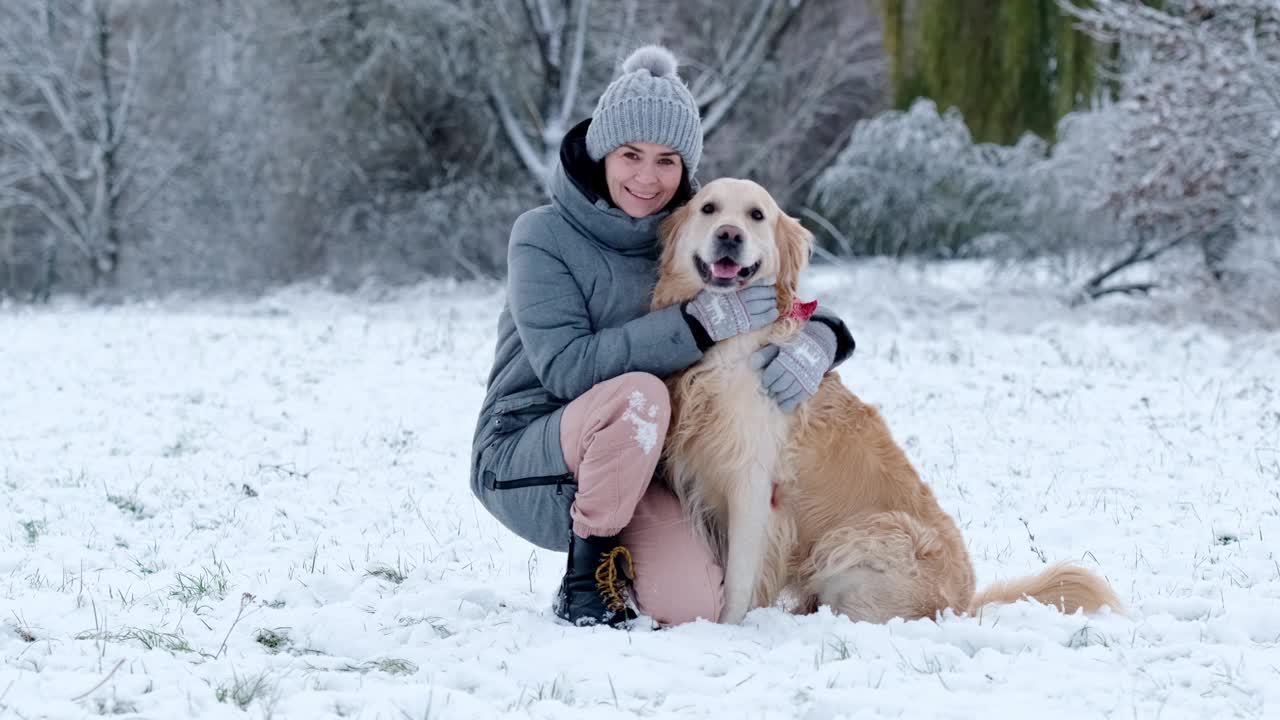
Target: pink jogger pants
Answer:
[[612, 438]]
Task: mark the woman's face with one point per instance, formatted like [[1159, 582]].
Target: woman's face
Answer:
[[642, 177]]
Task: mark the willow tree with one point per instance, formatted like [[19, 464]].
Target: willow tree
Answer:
[[1009, 66]]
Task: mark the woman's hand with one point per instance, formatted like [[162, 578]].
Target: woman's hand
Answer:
[[724, 315], [794, 368]]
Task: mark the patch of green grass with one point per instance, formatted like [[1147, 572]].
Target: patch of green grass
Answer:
[[192, 590], [391, 666], [181, 446], [1087, 636], [128, 505], [37, 581], [394, 575], [34, 528], [114, 706], [145, 569], [436, 623], [23, 631], [396, 666], [149, 639], [272, 640], [244, 690]]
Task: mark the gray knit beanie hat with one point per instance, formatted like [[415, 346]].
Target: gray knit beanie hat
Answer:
[[648, 102]]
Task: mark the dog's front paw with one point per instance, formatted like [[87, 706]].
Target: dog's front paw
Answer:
[[733, 614]]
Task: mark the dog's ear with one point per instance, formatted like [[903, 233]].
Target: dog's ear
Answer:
[[795, 243], [669, 231]]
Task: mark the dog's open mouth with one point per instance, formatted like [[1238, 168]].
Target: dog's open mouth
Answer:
[[724, 272]]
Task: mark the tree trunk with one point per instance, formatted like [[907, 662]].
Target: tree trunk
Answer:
[[109, 148]]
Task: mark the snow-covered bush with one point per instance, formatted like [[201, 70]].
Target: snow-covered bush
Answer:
[[915, 183]]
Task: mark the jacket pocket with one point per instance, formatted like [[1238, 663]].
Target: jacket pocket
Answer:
[[492, 482], [515, 411]]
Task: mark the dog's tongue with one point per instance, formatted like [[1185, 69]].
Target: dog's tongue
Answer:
[[725, 269]]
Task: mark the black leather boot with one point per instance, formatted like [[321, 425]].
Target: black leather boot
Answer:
[[595, 589]]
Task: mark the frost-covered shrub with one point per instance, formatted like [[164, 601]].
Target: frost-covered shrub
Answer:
[[915, 183]]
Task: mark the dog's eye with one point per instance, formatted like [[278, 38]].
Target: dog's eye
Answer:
[[708, 208], [756, 214]]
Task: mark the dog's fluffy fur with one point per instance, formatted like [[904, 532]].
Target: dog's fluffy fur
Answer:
[[822, 501]]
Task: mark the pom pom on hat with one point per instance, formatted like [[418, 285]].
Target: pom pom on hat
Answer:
[[659, 61]]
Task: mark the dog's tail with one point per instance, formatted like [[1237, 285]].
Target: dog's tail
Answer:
[[1065, 586]]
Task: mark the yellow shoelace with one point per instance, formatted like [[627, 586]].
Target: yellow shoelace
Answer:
[[607, 580]]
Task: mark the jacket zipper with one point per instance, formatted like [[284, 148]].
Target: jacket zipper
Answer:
[[491, 480]]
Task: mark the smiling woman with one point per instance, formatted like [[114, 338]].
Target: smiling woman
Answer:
[[576, 414]]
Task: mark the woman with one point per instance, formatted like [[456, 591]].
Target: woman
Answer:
[[571, 429]]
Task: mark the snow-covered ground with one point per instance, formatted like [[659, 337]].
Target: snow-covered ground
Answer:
[[260, 509]]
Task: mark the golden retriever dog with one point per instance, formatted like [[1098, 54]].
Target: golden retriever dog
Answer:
[[822, 501]]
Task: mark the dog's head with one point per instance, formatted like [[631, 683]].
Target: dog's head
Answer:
[[729, 235]]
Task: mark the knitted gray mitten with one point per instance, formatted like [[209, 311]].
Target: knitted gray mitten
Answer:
[[724, 315]]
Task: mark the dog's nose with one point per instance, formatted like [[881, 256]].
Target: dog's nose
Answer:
[[730, 234]]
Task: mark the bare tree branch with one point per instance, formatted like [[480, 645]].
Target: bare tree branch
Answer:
[[768, 26], [570, 93], [515, 133]]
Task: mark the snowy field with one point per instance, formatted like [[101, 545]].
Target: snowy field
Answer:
[[260, 509]]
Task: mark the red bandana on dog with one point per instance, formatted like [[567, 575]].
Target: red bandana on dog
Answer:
[[802, 310]]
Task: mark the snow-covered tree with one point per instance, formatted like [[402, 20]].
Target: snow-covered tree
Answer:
[[343, 128], [555, 55], [1194, 132], [788, 65], [73, 164], [826, 69]]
